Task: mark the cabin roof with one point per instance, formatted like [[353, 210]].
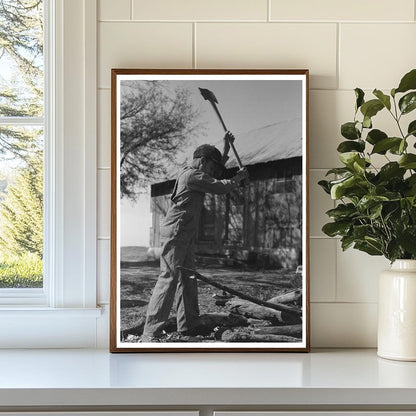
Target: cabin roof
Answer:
[[278, 141]]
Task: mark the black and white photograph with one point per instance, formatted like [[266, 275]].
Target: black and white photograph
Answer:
[[209, 243]]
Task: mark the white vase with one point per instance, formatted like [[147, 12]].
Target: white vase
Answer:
[[397, 312]]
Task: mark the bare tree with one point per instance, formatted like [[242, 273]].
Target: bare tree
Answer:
[[155, 124]]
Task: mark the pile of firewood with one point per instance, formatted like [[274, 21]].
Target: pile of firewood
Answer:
[[265, 324], [246, 318], [279, 318]]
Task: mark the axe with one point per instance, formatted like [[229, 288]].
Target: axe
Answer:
[[209, 95]]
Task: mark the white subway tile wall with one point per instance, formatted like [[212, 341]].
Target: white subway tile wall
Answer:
[[375, 55], [104, 202], [145, 45], [344, 44], [104, 128], [103, 270], [270, 45], [352, 10], [200, 10], [114, 10], [323, 268]]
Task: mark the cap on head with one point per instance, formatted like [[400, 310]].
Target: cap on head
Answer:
[[210, 152]]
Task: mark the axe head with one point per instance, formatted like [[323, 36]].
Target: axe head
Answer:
[[208, 95]]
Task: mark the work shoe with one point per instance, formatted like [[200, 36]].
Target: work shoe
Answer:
[[196, 330]]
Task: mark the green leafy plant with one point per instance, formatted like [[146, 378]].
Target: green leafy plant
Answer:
[[376, 210]]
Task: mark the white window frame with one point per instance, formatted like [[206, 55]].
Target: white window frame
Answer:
[[64, 312]]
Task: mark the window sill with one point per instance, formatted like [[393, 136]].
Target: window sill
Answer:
[[330, 379], [40, 327], [35, 311]]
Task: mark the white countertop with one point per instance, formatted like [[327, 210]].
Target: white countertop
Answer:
[[96, 377]]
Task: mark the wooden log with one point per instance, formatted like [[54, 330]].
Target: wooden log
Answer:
[[278, 307], [293, 296], [291, 330], [251, 310], [213, 320], [257, 322], [235, 336]]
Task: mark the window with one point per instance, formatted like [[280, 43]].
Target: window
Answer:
[[64, 313], [70, 171], [22, 132]]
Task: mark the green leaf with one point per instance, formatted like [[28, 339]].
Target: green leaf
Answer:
[[393, 250], [352, 187], [383, 145], [361, 231], [371, 108], [359, 94], [338, 189], [325, 186], [336, 228], [411, 180], [350, 131], [411, 185], [391, 170], [393, 92], [375, 136], [346, 242], [350, 146], [411, 130], [385, 99], [348, 158], [407, 240], [369, 201], [398, 149], [375, 211], [367, 122], [408, 82], [359, 165], [368, 248], [338, 171], [408, 161], [408, 102], [342, 211]]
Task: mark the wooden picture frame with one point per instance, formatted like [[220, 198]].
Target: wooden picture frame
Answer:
[[246, 240]]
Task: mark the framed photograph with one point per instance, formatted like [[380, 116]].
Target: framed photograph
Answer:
[[209, 211]]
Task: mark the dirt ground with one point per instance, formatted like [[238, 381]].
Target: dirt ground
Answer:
[[137, 283]]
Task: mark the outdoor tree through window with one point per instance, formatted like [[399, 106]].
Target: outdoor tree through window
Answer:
[[21, 143]]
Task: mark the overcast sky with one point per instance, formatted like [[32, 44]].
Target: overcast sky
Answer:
[[244, 105]]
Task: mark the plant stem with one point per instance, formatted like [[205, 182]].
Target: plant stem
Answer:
[[397, 118]]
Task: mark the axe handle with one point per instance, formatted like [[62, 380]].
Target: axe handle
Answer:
[[240, 165], [214, 106]]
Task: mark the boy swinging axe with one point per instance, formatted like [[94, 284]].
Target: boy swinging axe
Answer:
[[178, 233]]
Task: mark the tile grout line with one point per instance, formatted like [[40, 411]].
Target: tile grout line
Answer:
[[194, 62], [336, 271], [306, 22], [338, 63], [310, 89], [131, 9], [349, 302], [269, 11]]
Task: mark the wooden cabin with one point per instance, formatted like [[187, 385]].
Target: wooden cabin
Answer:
[[260, 224]]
